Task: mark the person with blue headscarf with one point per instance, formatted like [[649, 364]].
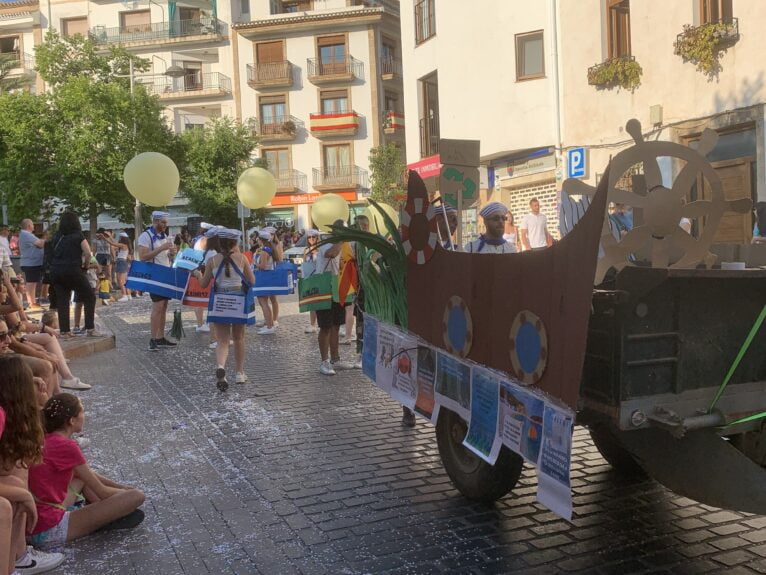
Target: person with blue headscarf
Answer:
[[491, 241]]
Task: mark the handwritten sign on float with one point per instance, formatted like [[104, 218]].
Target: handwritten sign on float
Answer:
[[189, 259]]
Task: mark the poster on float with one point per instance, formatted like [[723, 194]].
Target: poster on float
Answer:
[[404, 381], [520, 421], [554, 489], [482, 437], [425, 404], [453, 384]]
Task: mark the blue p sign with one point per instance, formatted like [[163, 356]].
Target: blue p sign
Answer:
[[576, 163]]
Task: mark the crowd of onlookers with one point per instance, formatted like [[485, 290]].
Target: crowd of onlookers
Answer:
[[49, 495]]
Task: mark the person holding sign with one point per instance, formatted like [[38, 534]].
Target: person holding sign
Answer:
[[232, 275], [491, 241], [155, 246]]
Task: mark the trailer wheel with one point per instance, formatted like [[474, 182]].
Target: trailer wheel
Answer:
[[473, 477], [609, 446]]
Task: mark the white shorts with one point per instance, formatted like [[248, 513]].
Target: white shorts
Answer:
[[54, 538]]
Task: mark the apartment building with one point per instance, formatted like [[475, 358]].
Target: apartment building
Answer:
[[486, 73], [320, 82], [675, 101], [20, 31]]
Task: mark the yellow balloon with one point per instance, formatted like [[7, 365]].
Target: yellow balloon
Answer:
[[256, 187], [327, 210], [377, 223], [152, 178]]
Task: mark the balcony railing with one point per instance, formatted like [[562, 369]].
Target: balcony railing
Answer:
[[191, 85], [334, 177], [339, 124], [276, 74], [390, 68], [429, 136], [290, 180], [157, 31], [621, 71], [12, 61], [724, 32], [392, 121], [278, 128], [322, 71]]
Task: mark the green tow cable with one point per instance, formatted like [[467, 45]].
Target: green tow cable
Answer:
[[733, 368]]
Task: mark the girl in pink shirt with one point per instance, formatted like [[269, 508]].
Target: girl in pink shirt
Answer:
[[63, 481]]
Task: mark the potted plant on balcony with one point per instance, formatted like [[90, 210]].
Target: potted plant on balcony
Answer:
[[703, 45], [622, 71], [289, 127]]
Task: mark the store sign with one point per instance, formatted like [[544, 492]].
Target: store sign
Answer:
[[526, 166], [427, 167], [309, 198]]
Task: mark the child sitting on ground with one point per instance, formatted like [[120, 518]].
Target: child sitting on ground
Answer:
[[21, 437], [63, 481], [50, 321], [104, 289]]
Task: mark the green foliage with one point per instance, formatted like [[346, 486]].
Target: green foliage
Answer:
[[387, 175], [703, 45], [215, 157], [8, 83], [382, 269], [61, 58], [623, 72]]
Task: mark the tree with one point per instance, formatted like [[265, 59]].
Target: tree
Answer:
[[8, 83], [215, 158], [387, 175]]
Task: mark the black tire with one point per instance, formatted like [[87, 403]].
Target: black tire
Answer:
[[473, 477], [608, 444]]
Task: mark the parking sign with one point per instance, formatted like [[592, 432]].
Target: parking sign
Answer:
[[576, 163]]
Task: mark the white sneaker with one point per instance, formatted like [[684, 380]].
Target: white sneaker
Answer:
[[347, 340], [35, 561], [358, 362], [276, 324], [311, 329], [213, 345], [260, 323], [241, 378], [74, 383], [204, 328], [326, 368], [124, 298], [340, 365], [267, 330]]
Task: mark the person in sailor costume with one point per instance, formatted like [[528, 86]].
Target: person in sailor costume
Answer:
[[491, 241], [446, 219]]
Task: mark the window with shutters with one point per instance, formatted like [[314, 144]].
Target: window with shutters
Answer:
[[425, 20], [336, 164], [332, 54], [273, 113], [712, 11], [333, 101], [135, 21], [269, 52], [618, 28], [73, 26], [10, 45], [290, 6], [530, 56], [278, 161]]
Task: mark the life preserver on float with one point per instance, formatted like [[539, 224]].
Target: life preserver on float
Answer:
[[419, 212]]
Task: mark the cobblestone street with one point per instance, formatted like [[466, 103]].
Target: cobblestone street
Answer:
[[298, 473]]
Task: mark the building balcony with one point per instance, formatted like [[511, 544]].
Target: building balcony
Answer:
[[270, 75], [290, 181], [179, 31], [393, 122], [334, 71], [277, 128], [330, 125], [390, 69], [16, 64], [189, 87], [339, 178]]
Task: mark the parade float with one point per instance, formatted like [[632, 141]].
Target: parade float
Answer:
[[644, 339]]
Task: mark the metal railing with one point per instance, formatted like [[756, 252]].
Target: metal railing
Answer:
[[391, 67], [16, 60], [278, 126], [159, 31], [425, 20], [728, 32], [348, 66], [593, 70], [341, 176], [290, 179], [164, 86], [269, 72], [429, 136]]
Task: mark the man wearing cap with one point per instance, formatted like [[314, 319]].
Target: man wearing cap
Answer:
[[491, 241], [155, 246], [446, 220], [534, 228]]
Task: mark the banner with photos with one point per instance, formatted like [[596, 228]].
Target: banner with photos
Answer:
[[499, 411]]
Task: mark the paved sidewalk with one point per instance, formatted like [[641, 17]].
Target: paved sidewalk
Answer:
[[317, 475]]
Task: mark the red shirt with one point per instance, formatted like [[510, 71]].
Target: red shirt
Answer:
[[50, 480]]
